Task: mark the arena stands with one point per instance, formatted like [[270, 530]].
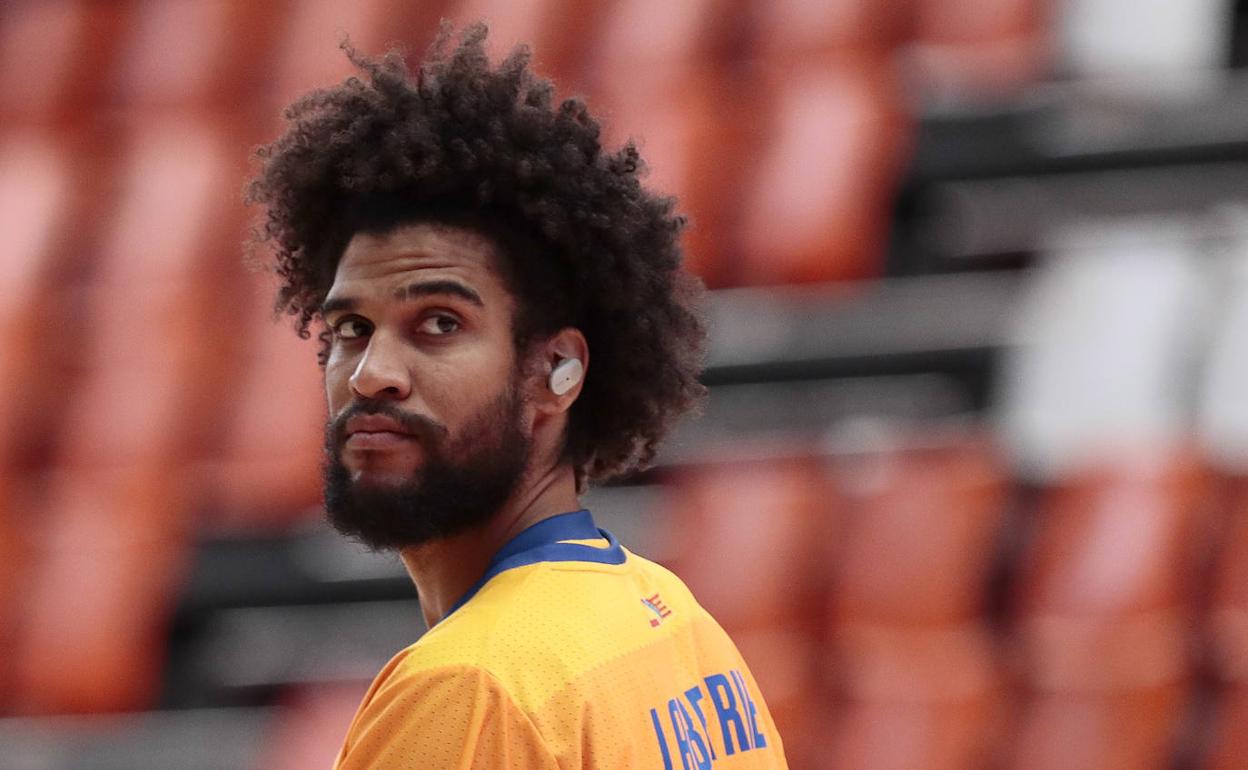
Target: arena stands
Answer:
[[969, 490]]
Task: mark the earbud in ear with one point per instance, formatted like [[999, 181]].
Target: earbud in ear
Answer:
[[566, 375]]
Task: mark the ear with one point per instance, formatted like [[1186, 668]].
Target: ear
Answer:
[[565, 345]]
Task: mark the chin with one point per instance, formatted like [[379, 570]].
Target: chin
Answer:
[[381, 479]]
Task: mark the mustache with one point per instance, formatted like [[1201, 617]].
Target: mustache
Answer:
[[426, 430]]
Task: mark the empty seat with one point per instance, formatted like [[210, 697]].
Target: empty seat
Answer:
[[776, 517], [667, 87], [1102, 348], [975, 50], [1144, 40], [306, 42], [265, 471], [557, 32], [915, 660], [1228, 740], [37, 203], [793, 30], [1227, 626], [194, 54], [155, 337], [1104, 606], [114, 531], [55, 57], [818, 202], [36, 207], [110, 557], [920, 534]]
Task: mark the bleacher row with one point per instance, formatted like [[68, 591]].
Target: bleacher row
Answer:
[[913, 607], [904, 602], [910, 605]]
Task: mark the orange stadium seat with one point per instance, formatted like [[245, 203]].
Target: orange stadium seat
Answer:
[[306, 43], [1228, 632], [793, 30], [916, 662], [557, 32], [663, 86], [775, 516], [1104, 607], [38, 206], [818, 201], [194, 53], [266, 471], [155, 338], [977, 48], [55, 56], [111, 557], [114, 531]]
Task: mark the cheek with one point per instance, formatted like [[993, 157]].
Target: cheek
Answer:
[[461, 392], [337, 384]]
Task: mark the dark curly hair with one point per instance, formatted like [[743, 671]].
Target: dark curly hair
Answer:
[[464, 143]]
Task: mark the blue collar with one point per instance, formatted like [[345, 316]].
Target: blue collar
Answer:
[[542, 542]]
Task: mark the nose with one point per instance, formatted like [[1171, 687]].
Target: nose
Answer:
[[380, 374]]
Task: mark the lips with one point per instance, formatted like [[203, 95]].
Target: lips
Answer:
[[375, 431]]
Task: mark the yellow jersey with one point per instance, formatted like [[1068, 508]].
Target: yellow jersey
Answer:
[[570, 652]]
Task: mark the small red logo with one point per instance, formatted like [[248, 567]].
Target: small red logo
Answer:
[[655, 604]]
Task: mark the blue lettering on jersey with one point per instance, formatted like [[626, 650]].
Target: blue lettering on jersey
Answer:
[[751, 712], [734, 708], [691, 743], [658, 733], [726, 707], [694, 694]]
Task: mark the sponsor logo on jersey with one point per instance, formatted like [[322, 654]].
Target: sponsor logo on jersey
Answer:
[[655, 604]]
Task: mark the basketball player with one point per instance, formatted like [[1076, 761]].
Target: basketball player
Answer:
[[504, 321]]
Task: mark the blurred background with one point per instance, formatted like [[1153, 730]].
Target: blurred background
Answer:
[[969, 490]]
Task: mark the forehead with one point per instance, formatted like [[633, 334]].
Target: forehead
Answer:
[[377, 262]]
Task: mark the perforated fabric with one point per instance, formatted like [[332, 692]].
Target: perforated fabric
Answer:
[[566, 663]]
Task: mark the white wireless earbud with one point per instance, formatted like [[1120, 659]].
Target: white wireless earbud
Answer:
[[566, 375]]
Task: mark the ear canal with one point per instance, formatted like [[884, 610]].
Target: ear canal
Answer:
[[566, 375]]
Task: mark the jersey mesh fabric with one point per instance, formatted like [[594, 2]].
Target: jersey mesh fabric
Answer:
[[568, 663]]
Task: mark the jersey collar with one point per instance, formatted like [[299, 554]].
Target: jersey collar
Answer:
[[544, 541]]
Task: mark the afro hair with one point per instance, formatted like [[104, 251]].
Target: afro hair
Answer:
[[467, 143]]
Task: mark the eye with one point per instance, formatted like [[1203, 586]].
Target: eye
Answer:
[[439, 325], [352, 328]]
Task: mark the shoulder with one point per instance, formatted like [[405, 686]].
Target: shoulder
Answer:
[[440, 716], [537, 628]]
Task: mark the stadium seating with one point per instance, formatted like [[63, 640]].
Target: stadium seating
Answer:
[[35, 195], [1104, 604], [971, 50], [1227, 628], [53, 58], [191, 54], [917, 667], [117, 514], [265, 471], [667, 89], [901, 606], [304, 52], [817, 201], [777, 517]]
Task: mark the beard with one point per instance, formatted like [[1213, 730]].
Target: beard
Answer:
[[463, 482]]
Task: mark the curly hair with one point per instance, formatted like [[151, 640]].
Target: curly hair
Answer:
[[465, 143]]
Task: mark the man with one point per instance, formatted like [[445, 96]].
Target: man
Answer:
[[505, 321]]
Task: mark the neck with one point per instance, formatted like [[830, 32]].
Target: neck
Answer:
[[444, 569]]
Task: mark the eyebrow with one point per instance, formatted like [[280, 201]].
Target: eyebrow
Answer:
[[438, 288], [441, 288]]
